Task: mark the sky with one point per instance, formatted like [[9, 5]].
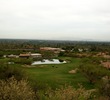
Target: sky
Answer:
[[55, 19]]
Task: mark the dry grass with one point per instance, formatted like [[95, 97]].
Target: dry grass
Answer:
[[69, 93], [12, 89]]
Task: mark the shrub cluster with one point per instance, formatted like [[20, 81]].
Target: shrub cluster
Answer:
[[7, 71], [12, 89], [22, 61], [68, 93]]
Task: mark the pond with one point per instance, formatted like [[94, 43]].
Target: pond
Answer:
[[46, 61]]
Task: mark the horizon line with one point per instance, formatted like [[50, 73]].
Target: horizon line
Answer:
[[56, 39]]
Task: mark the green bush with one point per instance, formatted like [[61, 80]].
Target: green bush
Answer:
[[93, 72], [104, 87], [7, 71], [61, 60], [22, 61]]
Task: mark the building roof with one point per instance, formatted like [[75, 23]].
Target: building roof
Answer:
[[35, 54], [24, 55], [11, 55], [50, 48]]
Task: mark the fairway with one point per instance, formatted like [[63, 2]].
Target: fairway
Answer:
[[56, 75]]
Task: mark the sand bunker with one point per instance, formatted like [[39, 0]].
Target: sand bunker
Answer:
[[73, 71]]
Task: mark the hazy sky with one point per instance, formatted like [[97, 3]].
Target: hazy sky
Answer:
[[55, 19]]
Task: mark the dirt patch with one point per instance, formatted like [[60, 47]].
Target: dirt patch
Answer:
[[28, 66], [73, 71], [106, 64], [103, 54], [31, 66]]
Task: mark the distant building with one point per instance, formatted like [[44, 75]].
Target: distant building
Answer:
[[4, 56], [30, 55], [55, 50], [24, 55], [12, 56], [35, 55], [80, 50]]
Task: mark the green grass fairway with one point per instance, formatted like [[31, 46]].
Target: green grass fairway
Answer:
[[56, 75]]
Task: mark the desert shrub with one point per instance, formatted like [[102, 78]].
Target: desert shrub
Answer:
[[12, 89], [61, 60], [93, 72], [48, 54], [37, 59], [61, 54], [104, 87], [22, 61], [7, 71], [68, 93]]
